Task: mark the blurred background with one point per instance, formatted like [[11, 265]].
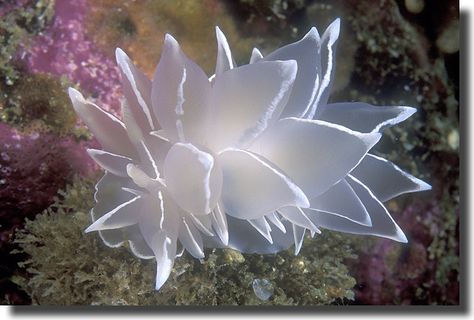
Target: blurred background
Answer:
[[390, 52]]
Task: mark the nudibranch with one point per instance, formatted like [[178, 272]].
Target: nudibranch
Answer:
[[249, 158]]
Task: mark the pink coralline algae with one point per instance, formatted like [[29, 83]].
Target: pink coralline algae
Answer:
[[389, 274], [65, 49], [32, 169], [7, 6]]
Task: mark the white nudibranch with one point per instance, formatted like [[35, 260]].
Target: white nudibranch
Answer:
[[249, 158]]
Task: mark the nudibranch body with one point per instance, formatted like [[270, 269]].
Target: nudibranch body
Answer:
[[249, 158]]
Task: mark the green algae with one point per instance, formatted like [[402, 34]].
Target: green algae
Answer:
[[38, 102], [67, 267], [17, 28]]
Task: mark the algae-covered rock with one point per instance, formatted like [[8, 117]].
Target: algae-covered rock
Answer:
[[398, 62], [17, 26], [139, 27], [67, 267], [38, 103]]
